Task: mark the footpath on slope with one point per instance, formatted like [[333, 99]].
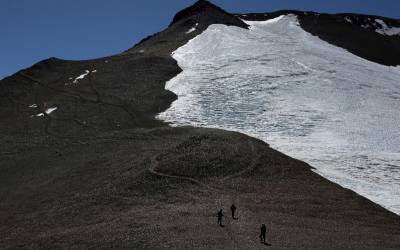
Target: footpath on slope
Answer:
[[236, 230]]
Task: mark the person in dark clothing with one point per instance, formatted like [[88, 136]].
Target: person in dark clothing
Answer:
[[233, 209], [220, 215], [263, 233]]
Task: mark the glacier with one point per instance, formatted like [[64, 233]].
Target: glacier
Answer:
[[311, 100]]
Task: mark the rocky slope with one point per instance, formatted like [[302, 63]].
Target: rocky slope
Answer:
[[85, 165]]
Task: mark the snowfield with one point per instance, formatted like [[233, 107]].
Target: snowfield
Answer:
[[307, 98]]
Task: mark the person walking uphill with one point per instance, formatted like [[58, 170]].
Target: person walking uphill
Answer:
[[233, 209], [263, 233], [220, 215]]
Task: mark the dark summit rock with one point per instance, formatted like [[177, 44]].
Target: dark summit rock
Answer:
[[196, 19], [203, 10]]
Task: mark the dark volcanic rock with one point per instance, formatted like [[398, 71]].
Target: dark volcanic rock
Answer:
[[152, 189], [121, 91]]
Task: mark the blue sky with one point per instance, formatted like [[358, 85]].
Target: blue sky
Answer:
[[34, 30]]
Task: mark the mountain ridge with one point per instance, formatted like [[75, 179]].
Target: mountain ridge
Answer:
[[100, 172], [353, 32]]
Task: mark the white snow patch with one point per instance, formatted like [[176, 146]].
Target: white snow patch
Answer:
[[48, 111], [94, 71], [263, 23], [191, 30], [305, 97], [394, 31], [365, 26], [348, 20], [81, 76], [33, 106], [385, 30], [382, 23]]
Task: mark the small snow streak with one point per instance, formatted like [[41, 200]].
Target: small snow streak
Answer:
[[81, 76], [48, 111], [191, 30]]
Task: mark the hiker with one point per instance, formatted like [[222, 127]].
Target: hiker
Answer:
[[233, 209], [220, 215], [263, 233]]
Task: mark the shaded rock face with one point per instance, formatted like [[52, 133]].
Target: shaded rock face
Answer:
[[117, 93], [105, 94], [353, 32]]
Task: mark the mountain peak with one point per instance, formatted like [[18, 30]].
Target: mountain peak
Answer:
[[204, 10]]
